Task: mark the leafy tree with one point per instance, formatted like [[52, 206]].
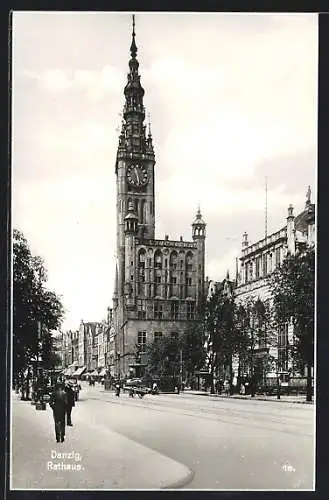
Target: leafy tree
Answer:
[[220, 330], [254, 330], [241, 335], [193, 350], [292, 287], [34, 307], [164, 358]]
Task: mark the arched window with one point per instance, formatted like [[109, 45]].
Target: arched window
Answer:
[[158, 259], [173, 260], [189, 261], [141, 265]]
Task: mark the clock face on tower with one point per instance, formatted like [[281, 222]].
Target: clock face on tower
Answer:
[[137, 175]]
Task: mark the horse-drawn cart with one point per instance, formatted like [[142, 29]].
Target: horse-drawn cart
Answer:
[[136, 387]]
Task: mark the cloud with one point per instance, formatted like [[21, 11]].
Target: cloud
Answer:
[[96, 84], [233, 97], [218, 266]]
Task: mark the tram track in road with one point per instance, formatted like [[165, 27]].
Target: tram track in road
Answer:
[[227, 416], [300, 415], [212, 439]]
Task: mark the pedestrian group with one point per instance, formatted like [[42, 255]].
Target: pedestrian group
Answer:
[[62, 401]]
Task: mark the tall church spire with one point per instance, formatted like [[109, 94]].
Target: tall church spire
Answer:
[[133, 88], [133, 140]]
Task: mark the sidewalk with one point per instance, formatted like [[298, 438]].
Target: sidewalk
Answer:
[[283, 399], [95, 457]]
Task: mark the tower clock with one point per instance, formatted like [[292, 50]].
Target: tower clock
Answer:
[[137, 175]]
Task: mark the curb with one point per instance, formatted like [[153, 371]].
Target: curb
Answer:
[[249, 398], [181, 482]]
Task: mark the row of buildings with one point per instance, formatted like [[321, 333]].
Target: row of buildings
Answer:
[[94, 348], [159, 283], [257, 261], [89, 349]]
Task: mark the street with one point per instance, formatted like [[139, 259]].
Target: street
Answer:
[[166, 441]]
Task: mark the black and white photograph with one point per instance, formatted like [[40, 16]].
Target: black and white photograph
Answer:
[[163, 227]]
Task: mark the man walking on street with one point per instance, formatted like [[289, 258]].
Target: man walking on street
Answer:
[[70, 402], [58, 403]]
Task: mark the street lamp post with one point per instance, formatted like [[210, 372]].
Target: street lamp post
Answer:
[[119, 364], [40, 404], [278, 385], [181, 368]]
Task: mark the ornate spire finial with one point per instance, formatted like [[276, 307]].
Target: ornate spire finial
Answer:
[[133, 47]]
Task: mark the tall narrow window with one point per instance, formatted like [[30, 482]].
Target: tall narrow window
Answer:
[[143, 211], [157, 310], [141, 266], [277, 257], [190, 310], [270, 263], [141, 341], [158, 260], [283, 347], [189, 261], [157, 336], [245, 270], [141, 309], [174, 310]]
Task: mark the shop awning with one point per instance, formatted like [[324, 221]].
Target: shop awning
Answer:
[[94, 373], [79, 371], [102, 373]]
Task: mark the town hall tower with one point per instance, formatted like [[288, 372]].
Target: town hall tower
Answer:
[[159, 283]]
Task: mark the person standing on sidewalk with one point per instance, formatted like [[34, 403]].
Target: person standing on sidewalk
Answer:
[[58, 403], [70, 402]]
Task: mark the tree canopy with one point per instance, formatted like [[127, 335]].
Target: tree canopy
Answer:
[[34, 307], [293, 289], [293, 292]]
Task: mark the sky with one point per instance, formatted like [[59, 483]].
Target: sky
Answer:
[[232, 100]]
